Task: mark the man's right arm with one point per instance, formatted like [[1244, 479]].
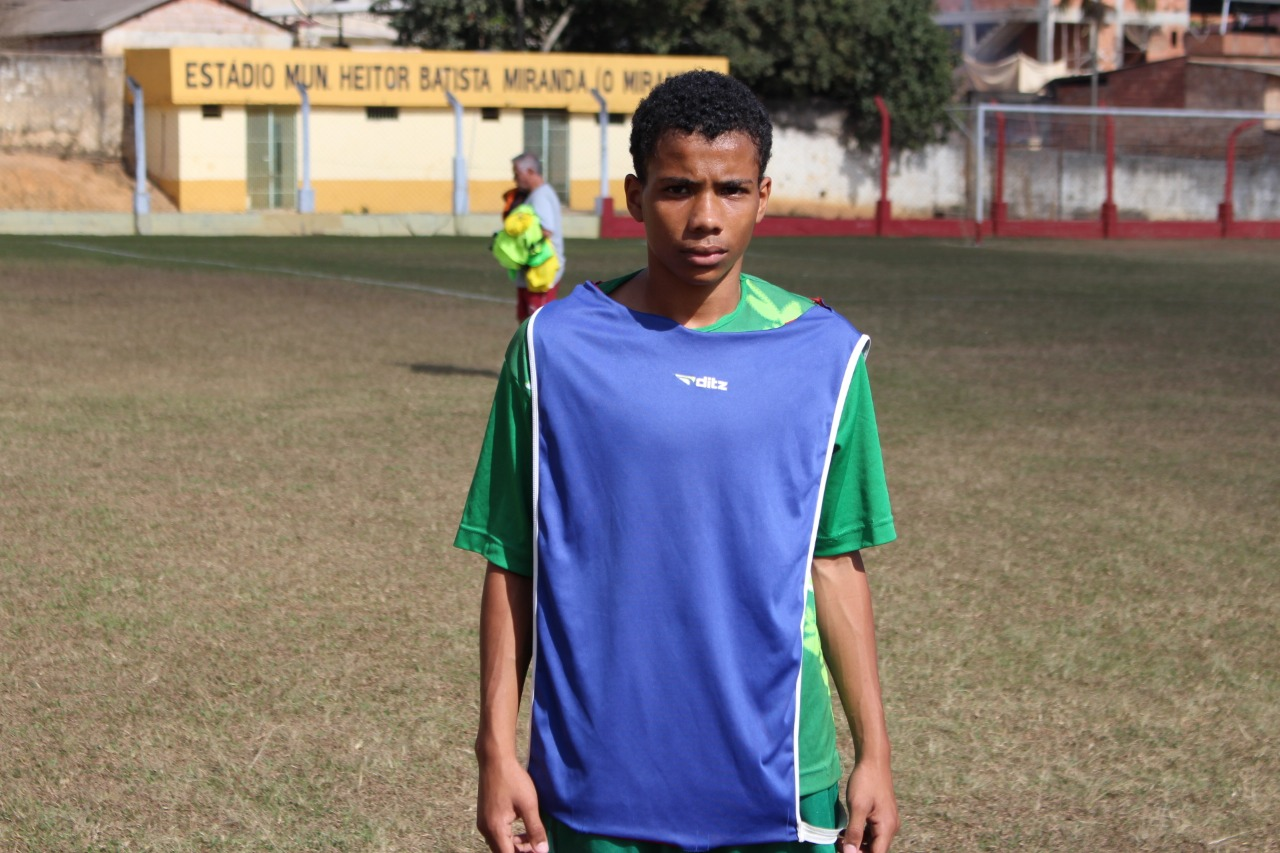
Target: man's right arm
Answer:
[[506, 647]]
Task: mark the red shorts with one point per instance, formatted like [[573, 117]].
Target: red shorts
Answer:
[[527, 301]]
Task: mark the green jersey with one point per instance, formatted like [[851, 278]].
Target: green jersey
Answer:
[[497, 522]]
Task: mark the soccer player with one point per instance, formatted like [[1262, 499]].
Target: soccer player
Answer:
[[680, 469], [541, 196]]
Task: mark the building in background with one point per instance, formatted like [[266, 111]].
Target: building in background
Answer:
[[1160, 55], [1049, 30], [110, 27], [1015, 47], [225, 131], [330, 23]]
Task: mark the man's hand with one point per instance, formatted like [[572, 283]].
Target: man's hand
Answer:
[[873, 810], [847, 628], [506, 643], [507, 794]]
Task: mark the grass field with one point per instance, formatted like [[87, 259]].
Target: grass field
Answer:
[[230, 471]]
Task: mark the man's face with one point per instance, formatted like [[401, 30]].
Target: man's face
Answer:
[[699, 205], [524, 176]]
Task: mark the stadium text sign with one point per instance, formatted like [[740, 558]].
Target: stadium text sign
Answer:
[[408, 79]]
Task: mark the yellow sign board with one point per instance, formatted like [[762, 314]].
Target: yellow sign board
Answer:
[[404, 78]]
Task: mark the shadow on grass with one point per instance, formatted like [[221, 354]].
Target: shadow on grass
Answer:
[[451, 370]]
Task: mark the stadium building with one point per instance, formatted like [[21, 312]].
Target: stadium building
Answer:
[[235, 129]]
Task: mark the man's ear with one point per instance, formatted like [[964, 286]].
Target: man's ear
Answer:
[[634, 188], [766, 187]]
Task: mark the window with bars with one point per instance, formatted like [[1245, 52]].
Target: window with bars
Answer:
[[271, 149], [546, 133]]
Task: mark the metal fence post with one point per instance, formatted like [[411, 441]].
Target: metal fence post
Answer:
[[601, 206], [306, 195], [141, 196], [461, 193], [1227, 209], [884, 209], [979, 142]]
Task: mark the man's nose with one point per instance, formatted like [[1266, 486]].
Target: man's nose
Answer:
[[705, 215]]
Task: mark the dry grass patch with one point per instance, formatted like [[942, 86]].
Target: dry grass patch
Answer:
[[230, 616]]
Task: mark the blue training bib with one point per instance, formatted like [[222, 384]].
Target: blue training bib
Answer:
[[678, 478]]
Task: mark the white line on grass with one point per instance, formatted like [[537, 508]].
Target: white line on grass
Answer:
[[351, 279]]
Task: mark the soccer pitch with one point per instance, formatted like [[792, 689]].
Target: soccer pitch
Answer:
[[230, 472]]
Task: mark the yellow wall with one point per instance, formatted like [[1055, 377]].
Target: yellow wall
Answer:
[[486, 197], [382, 196], [492, 144], [407, 197], [403, 78], [345, 145], [619, 155], [584, 161], [209, 196], [582, 194], [213, 149], [162, 143], [170, 188], [397, 165]]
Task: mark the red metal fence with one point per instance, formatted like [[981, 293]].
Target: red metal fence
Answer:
[[1111, 219]]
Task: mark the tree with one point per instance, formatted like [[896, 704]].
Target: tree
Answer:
[[841, 51], [849, 51], [477, 24]]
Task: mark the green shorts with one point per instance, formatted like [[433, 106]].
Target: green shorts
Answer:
[[818, 809]]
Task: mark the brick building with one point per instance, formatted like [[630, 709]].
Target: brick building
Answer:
[[1205, 83], [329, 23], [109, 27], [991, 30]]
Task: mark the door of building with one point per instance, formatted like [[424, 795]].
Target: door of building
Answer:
[[272, 158], [546, 133]]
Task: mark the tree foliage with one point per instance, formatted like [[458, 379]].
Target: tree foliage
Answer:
[[474, 24], [842, 51]]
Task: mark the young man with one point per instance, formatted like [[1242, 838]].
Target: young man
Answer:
[[680, 469], [539, 195]]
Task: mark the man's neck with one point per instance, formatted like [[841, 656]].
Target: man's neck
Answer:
[[694, 306]]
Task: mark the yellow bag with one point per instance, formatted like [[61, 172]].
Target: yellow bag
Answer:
[[540, 278], [521, 220], [521, 245]]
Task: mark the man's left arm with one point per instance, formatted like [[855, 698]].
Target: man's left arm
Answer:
[[846, 626], [541, 204]]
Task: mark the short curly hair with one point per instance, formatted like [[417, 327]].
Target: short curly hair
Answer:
[[702, 102]]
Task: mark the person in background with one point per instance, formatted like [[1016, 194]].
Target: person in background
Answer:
[[527, 170]]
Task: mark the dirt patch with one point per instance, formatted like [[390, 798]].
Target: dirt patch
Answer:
[[46, 182]]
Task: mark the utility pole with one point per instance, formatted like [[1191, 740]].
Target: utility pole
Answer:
[[1048, 23]]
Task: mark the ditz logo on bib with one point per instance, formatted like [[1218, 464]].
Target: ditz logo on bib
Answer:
[[703, 382]]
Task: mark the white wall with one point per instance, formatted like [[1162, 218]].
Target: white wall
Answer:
[[345, 145], [213, 149], [491, 144], [68, 104], [816, 173]]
